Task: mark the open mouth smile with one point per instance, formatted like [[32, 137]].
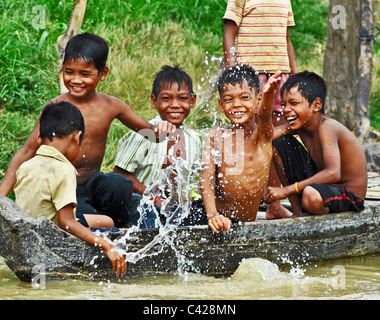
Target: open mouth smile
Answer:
[[238, 114], [291, 119]]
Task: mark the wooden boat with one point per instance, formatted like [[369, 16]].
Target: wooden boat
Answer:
[[34, 246]]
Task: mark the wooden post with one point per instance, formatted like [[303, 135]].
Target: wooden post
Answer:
[[73, 28], [348, 65], [365, 64]]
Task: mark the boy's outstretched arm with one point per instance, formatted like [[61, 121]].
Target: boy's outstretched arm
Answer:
[[133, 121], [68, 223]]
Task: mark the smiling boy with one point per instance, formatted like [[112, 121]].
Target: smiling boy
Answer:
[[330, 175], [237, 158], [84, 66], [141, 160]]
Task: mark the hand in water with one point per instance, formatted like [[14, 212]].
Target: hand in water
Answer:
[[119, 265], [219, 222]]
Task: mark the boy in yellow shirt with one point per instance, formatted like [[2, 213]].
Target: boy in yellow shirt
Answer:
[[46, 184]]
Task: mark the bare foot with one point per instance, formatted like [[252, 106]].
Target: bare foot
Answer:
[[277, 211]]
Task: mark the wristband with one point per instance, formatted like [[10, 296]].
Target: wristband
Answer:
[[296, 186]]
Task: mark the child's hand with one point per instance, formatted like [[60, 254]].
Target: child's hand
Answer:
[[219, 222], [273, 83], [271, 194], [164, 129], [119, 265]]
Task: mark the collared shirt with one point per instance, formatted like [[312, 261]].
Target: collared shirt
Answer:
[[144, 158], [261, 39], [46, 183]]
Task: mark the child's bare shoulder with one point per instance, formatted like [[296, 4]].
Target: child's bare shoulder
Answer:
[[332, 129]]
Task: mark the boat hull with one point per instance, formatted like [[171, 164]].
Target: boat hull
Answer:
[[31, 246]]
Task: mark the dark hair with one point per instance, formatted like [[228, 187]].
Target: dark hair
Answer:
[[238, 74], [88, 47], [310, 85], [168, 75], [60, 119]]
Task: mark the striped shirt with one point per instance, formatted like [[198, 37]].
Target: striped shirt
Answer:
[[144, 158], [261, 40]]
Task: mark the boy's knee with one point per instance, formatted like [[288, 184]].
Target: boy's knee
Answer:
[[312, 201]]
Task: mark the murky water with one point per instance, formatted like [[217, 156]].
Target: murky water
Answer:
[[355, 279]]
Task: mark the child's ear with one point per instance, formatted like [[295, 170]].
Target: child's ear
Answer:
[[259, 98], [317, 104], [221, 106], [193, 100], [76, 137], [39, 140], [153, 98], [103, 73]]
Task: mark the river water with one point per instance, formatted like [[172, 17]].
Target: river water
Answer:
[[345, 279]]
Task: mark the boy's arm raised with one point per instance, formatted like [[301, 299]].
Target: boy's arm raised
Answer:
[[266, 98], [267, 93], [26, 152]]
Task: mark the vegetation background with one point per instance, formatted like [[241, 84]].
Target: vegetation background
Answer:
[[143, 36]]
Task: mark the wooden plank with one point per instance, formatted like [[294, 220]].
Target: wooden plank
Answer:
[[373, 188]]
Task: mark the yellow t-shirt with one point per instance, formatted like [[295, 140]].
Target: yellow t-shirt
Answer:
[[261, 40], [46, 183]]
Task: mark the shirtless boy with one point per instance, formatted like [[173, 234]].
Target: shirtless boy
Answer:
[[237, 158], [83, 67], [331, 174]]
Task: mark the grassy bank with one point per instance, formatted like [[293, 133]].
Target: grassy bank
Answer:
[[143, 36]]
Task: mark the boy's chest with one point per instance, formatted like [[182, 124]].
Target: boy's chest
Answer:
[[176, 149], [314, 151], [242, 156]]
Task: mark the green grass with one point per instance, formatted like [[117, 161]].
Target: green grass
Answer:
[[143, 35]]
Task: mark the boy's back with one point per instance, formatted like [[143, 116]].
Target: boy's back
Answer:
[[45, 184], [349, 155]]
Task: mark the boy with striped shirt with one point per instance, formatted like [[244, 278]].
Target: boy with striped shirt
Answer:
[[141, 160]]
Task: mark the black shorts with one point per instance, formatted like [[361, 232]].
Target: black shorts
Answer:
[[338, 199]]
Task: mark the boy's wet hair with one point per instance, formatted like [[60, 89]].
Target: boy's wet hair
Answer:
[[167, 75], [237, 75], [88, 47], [310, 85], [60, 119]]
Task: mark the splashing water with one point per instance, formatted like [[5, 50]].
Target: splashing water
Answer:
[[175, 207]]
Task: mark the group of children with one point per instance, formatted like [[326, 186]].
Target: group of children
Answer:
[[267, 153]]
